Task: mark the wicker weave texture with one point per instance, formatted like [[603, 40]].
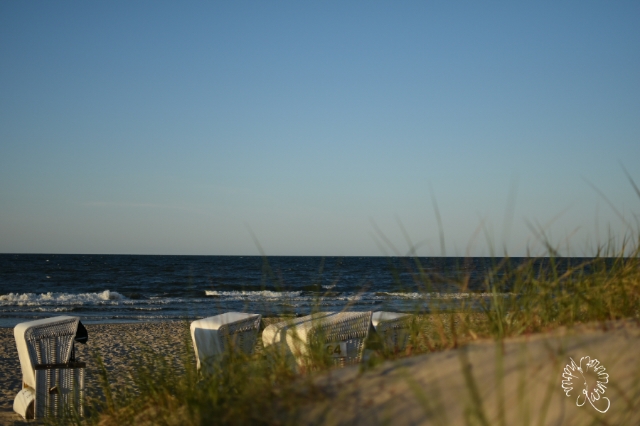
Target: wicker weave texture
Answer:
[[394, 333], [51, 343], [351, 328], [241, 335], [59, 389], [299, 335], [45, 348], [231, 332]]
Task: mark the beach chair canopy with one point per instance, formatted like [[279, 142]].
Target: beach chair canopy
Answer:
[[45, 342], [381, 316], [211, 335], [393, 328], [341, 334]]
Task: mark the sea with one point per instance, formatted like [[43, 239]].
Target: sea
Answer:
[[133, 288]]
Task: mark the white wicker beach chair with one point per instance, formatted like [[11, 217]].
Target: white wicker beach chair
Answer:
[[340, 335], [393, 329], [232, 331], [52, 380]]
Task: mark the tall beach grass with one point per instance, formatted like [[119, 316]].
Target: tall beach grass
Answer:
[[517, 298]]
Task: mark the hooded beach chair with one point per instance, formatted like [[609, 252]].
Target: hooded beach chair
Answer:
[[340, 336], [52, 379], [393, 330], [230, 332]]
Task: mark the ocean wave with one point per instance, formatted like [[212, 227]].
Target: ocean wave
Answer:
[[266, 295], [51, 298], [52, 309], [435, 295], [113, 305], [254, 295]]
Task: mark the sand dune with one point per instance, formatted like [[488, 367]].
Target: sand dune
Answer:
[[526, 371]]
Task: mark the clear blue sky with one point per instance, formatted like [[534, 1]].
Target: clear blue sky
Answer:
[[175, 127]]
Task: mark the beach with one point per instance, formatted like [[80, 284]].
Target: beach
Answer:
[[118, 344], [431, 388]]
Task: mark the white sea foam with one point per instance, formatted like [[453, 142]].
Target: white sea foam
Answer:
[[50, 298], [53, 309], [266, 295], [62, 302], [254, 295], [441, 295]]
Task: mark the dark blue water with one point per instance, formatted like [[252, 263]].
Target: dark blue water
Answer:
[[127, 288]]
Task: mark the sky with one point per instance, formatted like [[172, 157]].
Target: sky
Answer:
[[318, 128]]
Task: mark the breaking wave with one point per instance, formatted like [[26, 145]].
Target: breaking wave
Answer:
[[273, 296], [254, 295], [47, 299]]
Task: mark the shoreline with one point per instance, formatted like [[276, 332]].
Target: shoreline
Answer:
[[86, 321]]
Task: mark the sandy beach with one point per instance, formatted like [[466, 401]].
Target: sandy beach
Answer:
[[118, 344], [427, 389]]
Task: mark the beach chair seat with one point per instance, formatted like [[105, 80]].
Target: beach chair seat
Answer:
[[393, 330], [52, 379], [229, 332], [339, 336]]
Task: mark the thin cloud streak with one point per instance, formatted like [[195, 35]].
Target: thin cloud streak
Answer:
[[141, 206]]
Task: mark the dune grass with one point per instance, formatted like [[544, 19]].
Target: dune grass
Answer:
[[517, 298], [264, 389]]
